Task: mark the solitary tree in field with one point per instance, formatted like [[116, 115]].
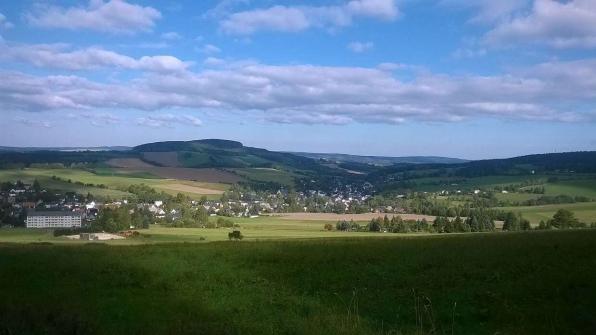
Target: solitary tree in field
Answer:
[[564, 219], [235, 235]]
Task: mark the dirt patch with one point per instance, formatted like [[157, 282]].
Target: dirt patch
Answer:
[[168, 159], [132, 163], [189, 189]]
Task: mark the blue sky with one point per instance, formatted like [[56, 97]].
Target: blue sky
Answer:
[[469, 79]]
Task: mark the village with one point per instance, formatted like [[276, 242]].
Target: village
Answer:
[[32, 206]]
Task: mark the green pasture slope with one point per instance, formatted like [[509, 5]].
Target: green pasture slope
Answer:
[[508, 283]]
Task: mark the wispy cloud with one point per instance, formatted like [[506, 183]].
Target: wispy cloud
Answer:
[[171, 36], [113, 16], [4, 23], [169, 121], [311, 94], [64, 57], [360, 47], [34, 122], [209, 49], [299, 18]]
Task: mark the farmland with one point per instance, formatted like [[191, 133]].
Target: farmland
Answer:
[[116, 181], [510, 283]]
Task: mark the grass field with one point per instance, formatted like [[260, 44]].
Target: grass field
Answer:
[[585, 212], [262, 228], [509, 283], [116, 181], [586, 188]]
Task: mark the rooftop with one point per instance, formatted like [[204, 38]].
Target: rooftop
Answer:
[[52, 213]]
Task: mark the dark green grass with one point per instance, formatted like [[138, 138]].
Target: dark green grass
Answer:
[[509, 283]]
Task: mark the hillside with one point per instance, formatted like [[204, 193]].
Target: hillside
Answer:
[[219, 154], [380, 160]]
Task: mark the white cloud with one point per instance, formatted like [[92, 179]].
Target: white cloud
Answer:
[[171, 36], [554, 91], [169, 120], [114, 16], [298, 18], [570, 24], [360, 47], [4, 23], [62, 57]]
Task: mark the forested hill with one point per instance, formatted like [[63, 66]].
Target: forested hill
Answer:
[[579, 162], [220, 153]]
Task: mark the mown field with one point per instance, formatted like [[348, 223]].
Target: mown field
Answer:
[[508, 283], [116, 181]]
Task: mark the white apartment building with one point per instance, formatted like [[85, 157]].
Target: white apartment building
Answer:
[[53, 219]]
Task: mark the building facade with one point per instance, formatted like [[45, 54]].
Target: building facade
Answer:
[[53, 219]]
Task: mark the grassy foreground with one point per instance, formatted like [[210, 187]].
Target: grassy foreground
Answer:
[[509, 283]]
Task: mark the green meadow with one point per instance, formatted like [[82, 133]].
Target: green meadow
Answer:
[[507, 283]]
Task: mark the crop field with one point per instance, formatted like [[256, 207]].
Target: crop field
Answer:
[[208, 175], [116, 182], [585, 211], [508, 283], [516, 197], [267, 175]]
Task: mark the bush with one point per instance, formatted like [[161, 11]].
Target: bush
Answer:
[[235, 235]]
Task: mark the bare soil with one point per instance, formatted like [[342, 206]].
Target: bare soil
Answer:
[[190, 189]]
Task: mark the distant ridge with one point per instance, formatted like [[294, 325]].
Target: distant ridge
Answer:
[[64, 149], [381, 160]]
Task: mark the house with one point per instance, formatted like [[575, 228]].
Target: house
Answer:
[[53, 219]]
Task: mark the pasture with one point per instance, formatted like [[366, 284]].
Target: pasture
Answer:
[[585, 211], [116, 181], [509, 283]]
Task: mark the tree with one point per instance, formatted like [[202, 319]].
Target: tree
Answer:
[[511, 222], [328, 227], [235, 235], [458, 225], [375, 225], [564, 219], [200, 216], [36, 186]]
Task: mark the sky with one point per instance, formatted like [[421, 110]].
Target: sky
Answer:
[[460, 78]]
